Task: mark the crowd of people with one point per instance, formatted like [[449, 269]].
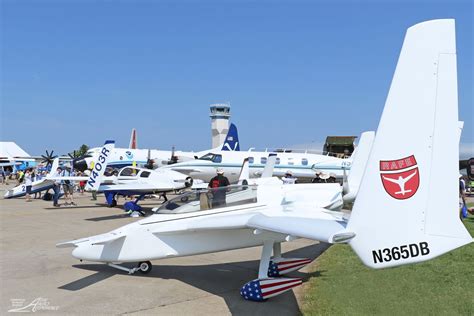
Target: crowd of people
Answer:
[[29, 176]]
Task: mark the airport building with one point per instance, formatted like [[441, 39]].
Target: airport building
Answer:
[[220, 115]]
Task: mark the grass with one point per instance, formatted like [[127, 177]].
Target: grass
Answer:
[[343, 286]]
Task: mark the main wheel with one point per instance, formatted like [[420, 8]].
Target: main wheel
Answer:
[[145, 267], [114, 203]]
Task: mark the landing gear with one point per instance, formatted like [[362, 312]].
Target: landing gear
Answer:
[[268, 283], [113, 203], [143, 266]]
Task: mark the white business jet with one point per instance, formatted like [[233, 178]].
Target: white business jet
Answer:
[[382, 230]]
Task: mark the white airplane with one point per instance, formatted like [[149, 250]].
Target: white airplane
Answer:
[[382, 230], [129, 181], [302, 165], [39, 185], [400, 181], [133, 181], [123, 157]]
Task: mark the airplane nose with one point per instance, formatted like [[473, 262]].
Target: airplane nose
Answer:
[[80, 164]]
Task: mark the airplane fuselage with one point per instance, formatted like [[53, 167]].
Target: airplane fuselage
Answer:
[[302, 165]]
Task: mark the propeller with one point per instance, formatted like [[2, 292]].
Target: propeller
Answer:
[[149, 162], [174, 158], [48, 158], [74, 155]]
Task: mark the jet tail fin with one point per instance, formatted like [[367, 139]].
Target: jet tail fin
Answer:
[[133, 139], [100, 164], [406, 210], [359, 162], [231, 142]]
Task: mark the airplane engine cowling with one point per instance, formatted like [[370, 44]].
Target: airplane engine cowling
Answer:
[[189, 182]]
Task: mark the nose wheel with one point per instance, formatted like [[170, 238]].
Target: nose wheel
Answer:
[[144, 267]]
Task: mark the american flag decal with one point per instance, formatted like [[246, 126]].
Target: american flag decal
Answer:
[[281, 266], [259, 290]]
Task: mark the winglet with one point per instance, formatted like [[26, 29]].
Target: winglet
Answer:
[[244, 171], [359, 162], [54, 166], [99, 166], [269, 166]]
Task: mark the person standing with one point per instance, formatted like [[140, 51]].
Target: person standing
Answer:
[[28, 183], [216, 183], [68, 187], [317, 178], [57, 187], [288, 178]]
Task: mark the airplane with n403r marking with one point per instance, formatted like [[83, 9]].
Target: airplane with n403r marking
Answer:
[[124, 157]]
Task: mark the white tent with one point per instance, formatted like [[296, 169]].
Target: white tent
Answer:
[[11, 149]]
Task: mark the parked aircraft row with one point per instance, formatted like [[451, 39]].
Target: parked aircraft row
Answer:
[[403, 212]]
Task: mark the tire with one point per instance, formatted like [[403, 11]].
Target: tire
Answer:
[[145, 267]]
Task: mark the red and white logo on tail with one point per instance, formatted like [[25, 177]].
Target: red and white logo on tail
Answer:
[[400, 178]]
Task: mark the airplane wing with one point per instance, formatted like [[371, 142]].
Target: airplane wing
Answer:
[[134, 187], [300, 224], [410, 176], [186, 170], [301, 221], [390, 179], [71, 178]]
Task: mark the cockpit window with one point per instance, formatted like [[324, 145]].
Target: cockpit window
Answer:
[[210, 199], [145, 174], [212, 157], [129, 172]]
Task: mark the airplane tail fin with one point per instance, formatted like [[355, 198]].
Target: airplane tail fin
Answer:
[[244, 172], [54, 166], [133, 139], [269, 166], [100, 164], [231, 142], [406, 210], [359, 162]]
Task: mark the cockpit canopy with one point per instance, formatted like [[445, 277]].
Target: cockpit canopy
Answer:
[[134, 172], [209, 199], [212, 157]]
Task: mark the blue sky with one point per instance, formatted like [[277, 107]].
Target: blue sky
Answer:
[[77, 72]]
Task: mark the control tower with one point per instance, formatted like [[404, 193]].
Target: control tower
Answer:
[[220, 114]]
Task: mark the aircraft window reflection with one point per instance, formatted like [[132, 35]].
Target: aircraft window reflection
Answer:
[[129, 172], [212, 157], [263, 160], [251, 159], [277, 161], [207, 157], [210, 199], [290, 161], [304, 162], [145, 174]]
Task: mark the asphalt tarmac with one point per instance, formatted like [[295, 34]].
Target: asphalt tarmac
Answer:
[[37, 276]]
